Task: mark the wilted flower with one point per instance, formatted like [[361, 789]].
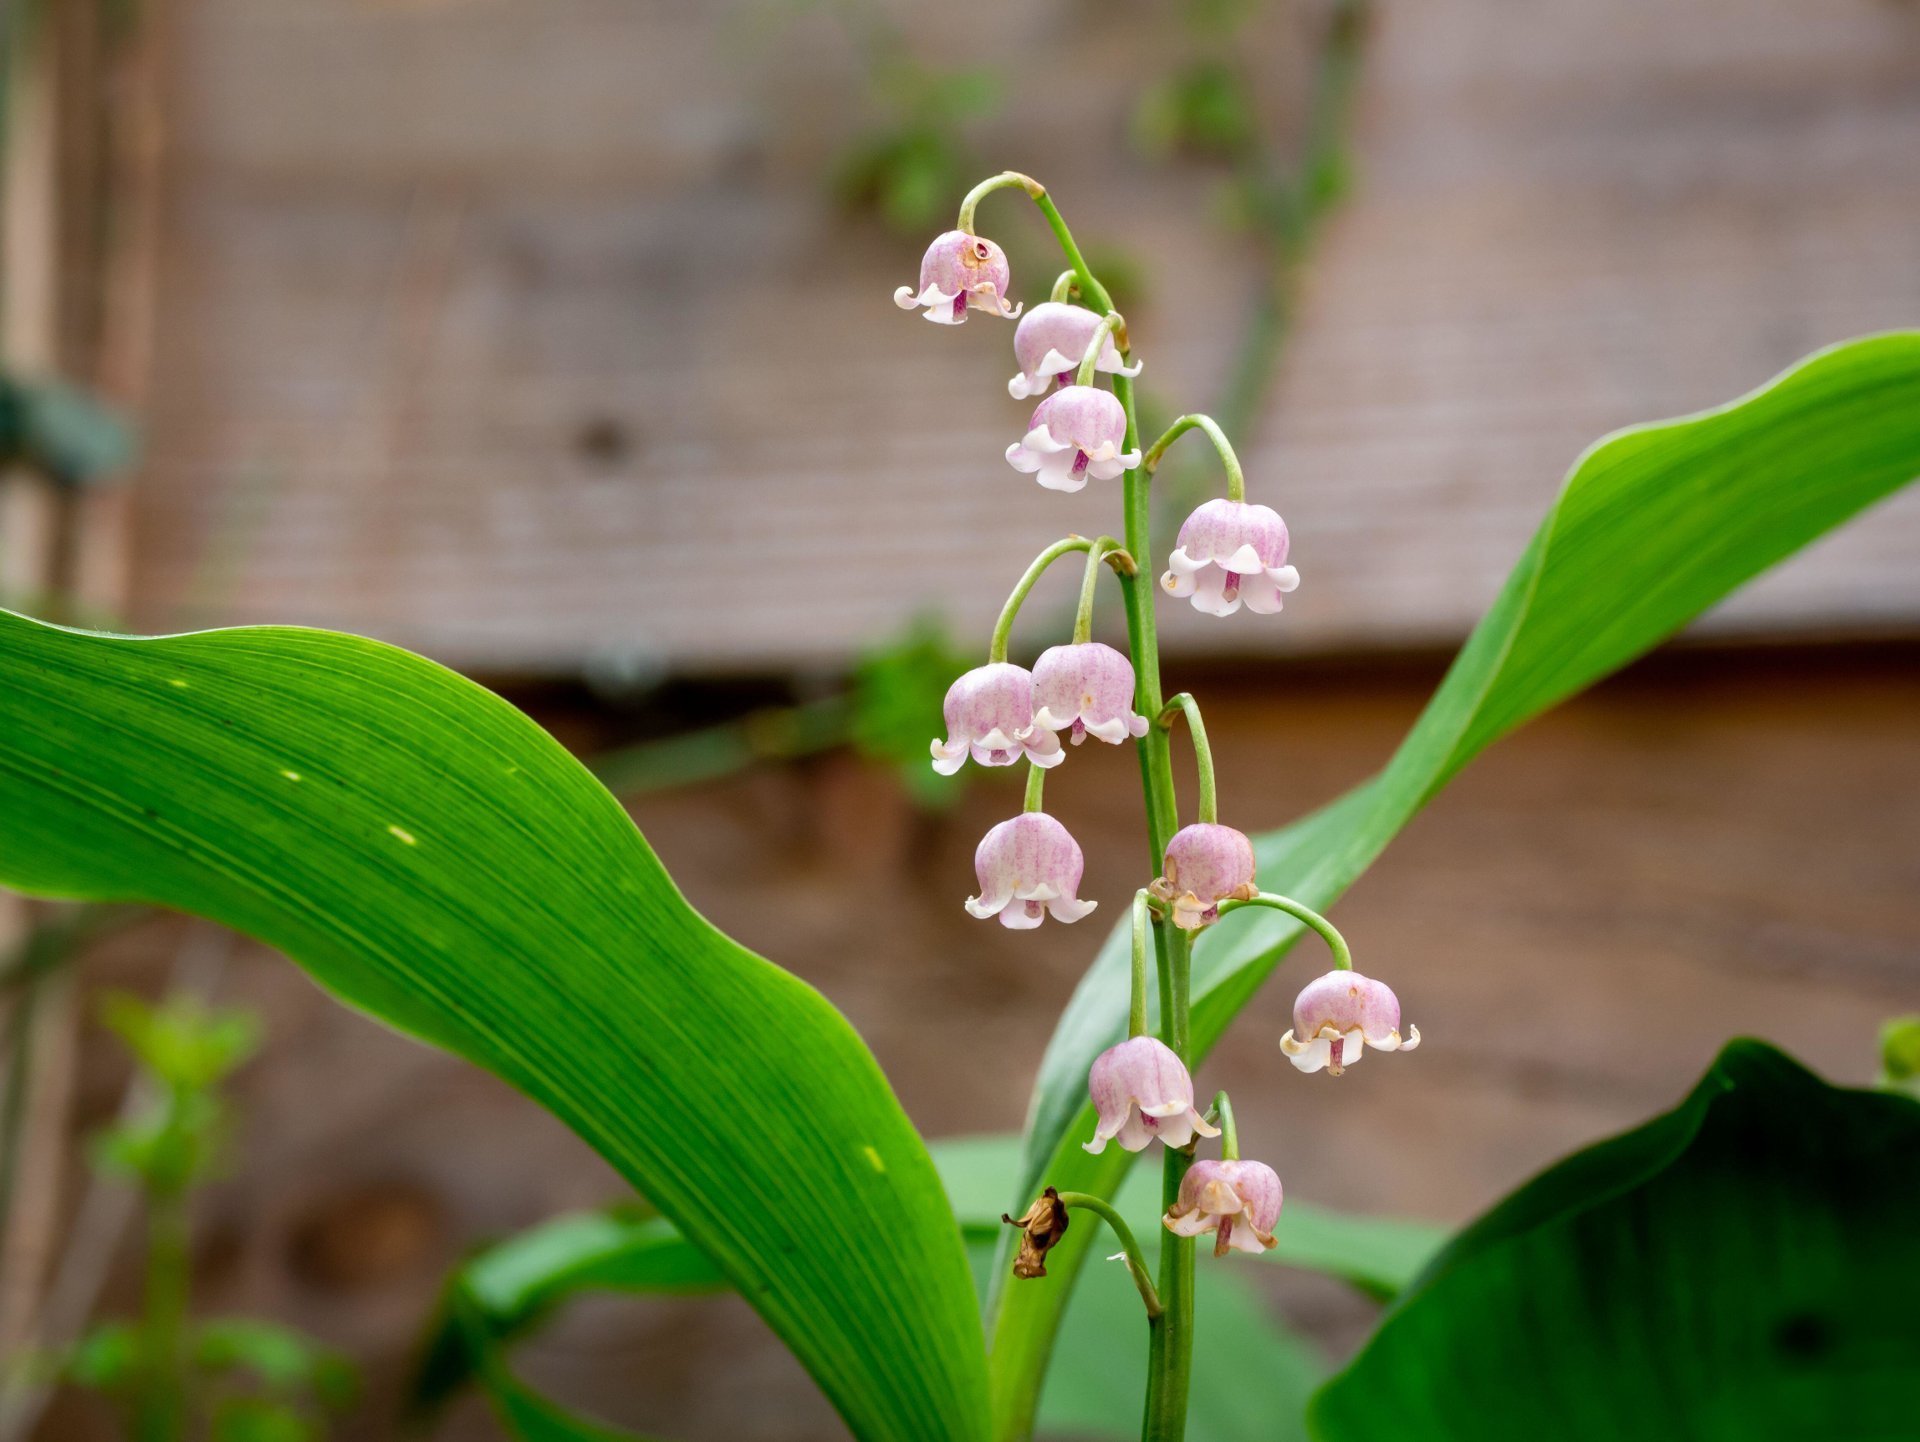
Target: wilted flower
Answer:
[[1027, 867], [989, 713], [1142, 1091], [959, 272], [1076, 432], [1238, 1201], [1206, 864], [1086, 687], [1044, 1224], [1229, 552], [1049, 344], [1339, 1014]]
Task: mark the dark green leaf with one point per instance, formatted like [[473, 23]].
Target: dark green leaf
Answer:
[[1654, 526], [434, 858], [1736, 1269]]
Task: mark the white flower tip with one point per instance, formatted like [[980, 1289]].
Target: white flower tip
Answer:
[[906, 299], [1285, 577], [1019, 387], [1413, 1038]]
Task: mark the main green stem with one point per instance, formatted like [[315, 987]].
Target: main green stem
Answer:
[[1170, 1335]]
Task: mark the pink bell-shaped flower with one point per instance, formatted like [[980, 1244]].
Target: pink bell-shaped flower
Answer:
[[1142, 1091], [1075, 433], [1237, 1201], [1049, 344], [1230, 552], [959, 272], [1337, 1016], [1206, 864], [1086, 687], [1028, 867], [989, 714]]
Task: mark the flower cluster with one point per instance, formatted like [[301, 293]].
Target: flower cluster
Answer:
[[1230, 553]]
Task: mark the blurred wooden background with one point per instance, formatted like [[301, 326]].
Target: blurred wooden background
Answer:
[[521, 333]]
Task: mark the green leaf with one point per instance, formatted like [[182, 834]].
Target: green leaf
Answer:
[[434, 858], [106, 1359], [500, 1294], [1731, 1270], [1654, 525]]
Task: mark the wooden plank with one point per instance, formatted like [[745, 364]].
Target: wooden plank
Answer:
[[1605, 212]]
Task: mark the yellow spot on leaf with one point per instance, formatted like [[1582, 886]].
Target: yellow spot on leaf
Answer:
[[291, 775], [406, 836], [176, 681], [874, 1157]]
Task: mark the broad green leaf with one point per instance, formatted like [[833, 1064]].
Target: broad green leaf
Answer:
[[434, 858], [1737, 1269], [1653, 526]]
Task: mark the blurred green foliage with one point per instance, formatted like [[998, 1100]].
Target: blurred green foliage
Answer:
[[908, 166], [1900, 1054], [167, 1377]]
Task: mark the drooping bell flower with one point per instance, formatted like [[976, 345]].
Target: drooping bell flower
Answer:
[[1340, 1014], [1237, 1201], [1206, 864], [989, 713], [1029, 867], [1142, 1091], [1231, 552], [1087, 688], [959, 272], [1049, 344], [1074, 433]]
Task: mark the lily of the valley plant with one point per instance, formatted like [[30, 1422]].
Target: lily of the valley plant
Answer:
[[1081, 438]]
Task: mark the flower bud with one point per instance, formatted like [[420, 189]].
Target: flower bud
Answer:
[[1074, 433], [1029, 867], [1206, 864], [1142, 1091], [1230, 552], [1086, 687], [1337, 1016], [1237, 1201], [989, 713], [1049, 344], [959, 272]]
